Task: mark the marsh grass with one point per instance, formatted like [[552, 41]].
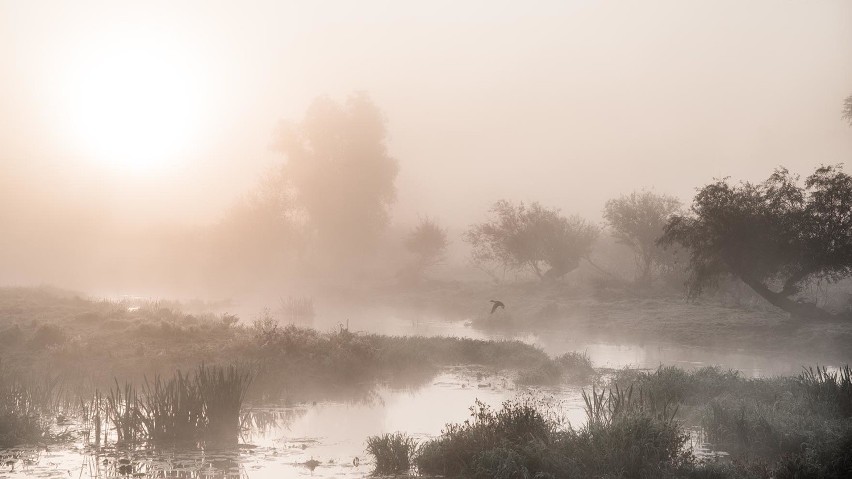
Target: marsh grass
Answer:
[[393, 453], [571, 367], [773, 427], [102, 340], [606, 406], [122, 410], [833, 389], [27, 402], [626, 435], [223, 391], [203, 406]]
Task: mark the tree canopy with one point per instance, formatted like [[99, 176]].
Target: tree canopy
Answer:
[[532, 238], [775, 236], [342, 173], [428, 240], [637, 221]]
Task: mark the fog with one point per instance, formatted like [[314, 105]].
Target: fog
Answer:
[[565, 103], [445, 239]]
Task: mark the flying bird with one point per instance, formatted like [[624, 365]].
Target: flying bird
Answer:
[[497, 304]]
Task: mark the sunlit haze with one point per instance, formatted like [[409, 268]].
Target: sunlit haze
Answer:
[[135, 100], [435, 238]]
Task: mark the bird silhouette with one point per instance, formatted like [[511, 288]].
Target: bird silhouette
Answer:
[[497, 304]]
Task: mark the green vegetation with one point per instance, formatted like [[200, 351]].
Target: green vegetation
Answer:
[[26, 408], [795, 427], [428, 243], [394, 453], [526, 438], [90, 344], [637, 221], [575, 368], [533, 238], [341, 173], [204, 406], [772, 428], [777, 236]]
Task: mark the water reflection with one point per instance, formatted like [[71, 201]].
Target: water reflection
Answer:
[[325, 439]]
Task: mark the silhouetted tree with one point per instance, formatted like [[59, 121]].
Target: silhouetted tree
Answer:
[[775, 236], [637, 221], [532, 237], [847, 109], [341, 171], [428, 241]]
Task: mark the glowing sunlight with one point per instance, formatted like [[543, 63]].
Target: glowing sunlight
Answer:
[[135, 105]]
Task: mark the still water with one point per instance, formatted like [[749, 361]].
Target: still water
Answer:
[[321, 440]]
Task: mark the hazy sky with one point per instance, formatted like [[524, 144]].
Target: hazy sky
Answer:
[[169, 107]]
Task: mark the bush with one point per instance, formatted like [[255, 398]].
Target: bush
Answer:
[[48, 335], [526, 439], [393, 452], [470, 448]]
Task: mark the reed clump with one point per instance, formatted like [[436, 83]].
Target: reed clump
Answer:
[[202, 406], [570, 367], [27, 403], [394, 453], [829, 388]]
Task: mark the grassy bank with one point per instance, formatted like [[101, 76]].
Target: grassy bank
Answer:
[[85, 345], [731, 318]]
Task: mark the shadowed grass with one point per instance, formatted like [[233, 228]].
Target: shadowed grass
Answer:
[[204, 406], [625, 436], [394, 453], [830, 388], [89, 343], [27, 403]]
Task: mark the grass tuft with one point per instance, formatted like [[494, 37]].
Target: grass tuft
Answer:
[[204, 406], [394, 453]]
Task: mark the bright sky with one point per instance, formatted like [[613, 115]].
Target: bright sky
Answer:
[[168, 108]]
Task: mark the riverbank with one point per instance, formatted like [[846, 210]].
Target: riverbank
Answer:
[[733, 320], [73, 346]]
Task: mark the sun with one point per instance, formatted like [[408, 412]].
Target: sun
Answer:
[[134, 103]]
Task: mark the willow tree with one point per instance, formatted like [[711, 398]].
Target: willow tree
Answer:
[[776, 236]]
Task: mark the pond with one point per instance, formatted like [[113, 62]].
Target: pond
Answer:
[[324, 439]]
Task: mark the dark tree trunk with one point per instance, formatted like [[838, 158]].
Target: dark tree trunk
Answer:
[[559, 270], [779, 300]]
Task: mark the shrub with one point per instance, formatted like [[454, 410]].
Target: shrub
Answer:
[[48, 335], [393, 452], [624, 437]]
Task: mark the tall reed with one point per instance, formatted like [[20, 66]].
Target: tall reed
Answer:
[[204, 406]]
